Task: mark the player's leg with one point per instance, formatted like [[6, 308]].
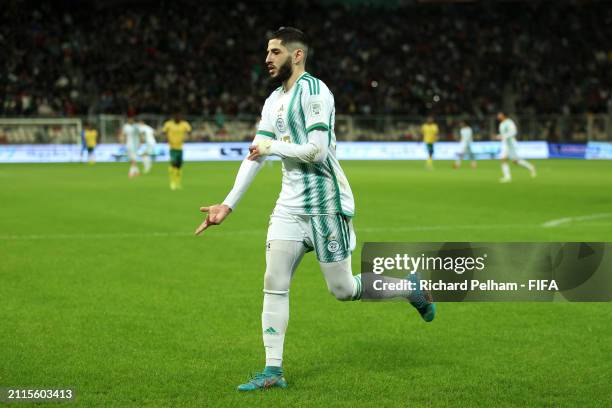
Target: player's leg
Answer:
[[430, 152], [284, 251], [132, 148], [133, 172], [334, 239], [507, 176], [91, 158], [459, 158], [470, 155], [149, 155], [146, 158], [527, 165], [175, 159], [179, 170]]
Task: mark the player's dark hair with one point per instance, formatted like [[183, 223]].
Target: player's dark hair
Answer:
[[289, 35]]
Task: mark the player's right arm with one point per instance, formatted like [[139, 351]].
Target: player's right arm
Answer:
[[249, 168]]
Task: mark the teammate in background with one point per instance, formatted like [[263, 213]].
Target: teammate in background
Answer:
[[465, 145], [148, 135], [131, 136], [430, 136], [315, 206], [176, 131], [507, 135], [90, 140]]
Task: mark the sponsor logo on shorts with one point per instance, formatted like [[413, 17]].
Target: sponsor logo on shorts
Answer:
[[333, 246]]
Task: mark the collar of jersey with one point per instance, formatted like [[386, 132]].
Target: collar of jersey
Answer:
[[294, 84]]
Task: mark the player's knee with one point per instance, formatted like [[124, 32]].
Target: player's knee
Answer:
[[341, 292], [275, 281]]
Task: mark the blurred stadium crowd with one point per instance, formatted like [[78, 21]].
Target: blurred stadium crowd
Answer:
[[206, 58]]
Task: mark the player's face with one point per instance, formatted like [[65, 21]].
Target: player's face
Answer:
[[278, 61], [500, 117]]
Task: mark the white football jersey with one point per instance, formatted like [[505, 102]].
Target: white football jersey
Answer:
[[307, 188], [507, 130], [148, 132], [132, 136], [467, 135]]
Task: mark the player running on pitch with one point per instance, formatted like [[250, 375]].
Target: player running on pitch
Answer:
[[131, 136], [315, 206], [148, 134], [507, 135], [465, 145]]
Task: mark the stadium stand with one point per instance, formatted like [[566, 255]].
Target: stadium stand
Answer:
[[68, 58]]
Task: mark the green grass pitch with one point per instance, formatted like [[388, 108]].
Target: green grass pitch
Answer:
[[104, 288]]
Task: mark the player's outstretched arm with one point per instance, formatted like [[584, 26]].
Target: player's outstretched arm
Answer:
[[215, 214], [246, 174]]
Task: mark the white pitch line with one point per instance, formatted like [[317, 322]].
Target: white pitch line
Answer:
[[217, 232], [565, 220], [115, 235]]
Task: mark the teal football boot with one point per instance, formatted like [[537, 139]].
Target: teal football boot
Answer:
[[271, 377], [422, 300]]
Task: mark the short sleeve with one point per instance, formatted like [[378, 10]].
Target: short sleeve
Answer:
[[317, 105], [265, 128], [165, 128]]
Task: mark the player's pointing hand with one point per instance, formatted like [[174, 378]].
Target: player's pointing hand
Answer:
[[215, 216]]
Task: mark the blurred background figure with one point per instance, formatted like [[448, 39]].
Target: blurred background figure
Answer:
[[430, 137], [131, 136], [147, 134], [176, 131], [466, 138]]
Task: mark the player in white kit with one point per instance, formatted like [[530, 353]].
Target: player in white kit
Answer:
[[131, 136], [315, 205], [465, 145], [507, 135], [148, 135]]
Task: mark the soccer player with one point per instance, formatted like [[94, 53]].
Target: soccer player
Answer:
[[465, 145], [176, 131], [90, 139], [507, 135], [430, 136], [315, 205], [148, 135], [131, 136]]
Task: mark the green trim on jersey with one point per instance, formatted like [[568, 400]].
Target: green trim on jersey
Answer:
[[265, 133], [295, 138], [320, 125], [309, 84], [316, 83], [337, 187]]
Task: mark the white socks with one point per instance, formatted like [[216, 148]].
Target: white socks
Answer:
[[146, 163], [506, 170], [133, 171], [274, 319], [526, 165]]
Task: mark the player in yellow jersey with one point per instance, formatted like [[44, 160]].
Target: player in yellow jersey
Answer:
[[430, 136], [176, 131], [90, 140]]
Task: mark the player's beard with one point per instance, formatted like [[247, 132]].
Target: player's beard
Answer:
[[284, 72]]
